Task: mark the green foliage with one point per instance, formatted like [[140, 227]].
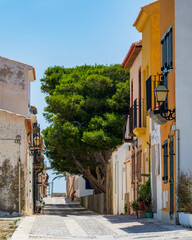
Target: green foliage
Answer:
[[134, 206], [144, 192], [85, 106], [184, 193]]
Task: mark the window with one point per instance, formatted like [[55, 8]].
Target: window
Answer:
[[165, 157], [139, 159], [167, 51], [133, 168]]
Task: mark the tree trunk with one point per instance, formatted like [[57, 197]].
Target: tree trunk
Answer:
[[96, 184]]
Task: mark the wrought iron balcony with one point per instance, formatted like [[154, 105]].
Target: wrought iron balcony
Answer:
[[138, 113], [151, 83], [152, 106]]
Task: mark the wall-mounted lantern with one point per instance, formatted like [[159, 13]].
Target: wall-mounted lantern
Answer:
[[161, 93]]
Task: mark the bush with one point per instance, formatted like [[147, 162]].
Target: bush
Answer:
[[144, 192], [184, 193], [134, 206]]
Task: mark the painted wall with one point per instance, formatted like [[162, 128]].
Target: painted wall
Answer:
[[10, 126], [156, 170], [119, 157], [15, 80], [134, 75], [167, 18], [183, 83], [80, 187]]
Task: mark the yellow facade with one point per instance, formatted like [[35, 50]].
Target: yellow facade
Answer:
[[167, 19], [148, 23]]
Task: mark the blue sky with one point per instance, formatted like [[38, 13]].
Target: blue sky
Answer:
[[68, 33]]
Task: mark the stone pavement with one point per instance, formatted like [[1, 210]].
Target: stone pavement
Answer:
[[66, 220]]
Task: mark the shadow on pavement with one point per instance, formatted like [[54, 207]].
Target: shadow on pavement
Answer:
[[143, 225]]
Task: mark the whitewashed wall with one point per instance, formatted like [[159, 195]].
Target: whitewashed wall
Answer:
[[119, 178], [80, 187], [183, 79], [156, 170]]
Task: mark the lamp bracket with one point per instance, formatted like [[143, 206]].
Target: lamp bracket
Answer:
[[168, 114]]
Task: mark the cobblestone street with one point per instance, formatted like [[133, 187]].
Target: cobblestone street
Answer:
[[62, 220]]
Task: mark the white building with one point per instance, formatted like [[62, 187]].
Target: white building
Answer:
[[121, 176]]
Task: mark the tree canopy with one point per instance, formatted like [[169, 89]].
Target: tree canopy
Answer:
[[85, 106]]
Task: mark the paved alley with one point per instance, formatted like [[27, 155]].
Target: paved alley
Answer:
[[66, 220]]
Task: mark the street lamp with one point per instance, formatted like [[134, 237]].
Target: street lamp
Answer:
[[161, 93], [36, 141]]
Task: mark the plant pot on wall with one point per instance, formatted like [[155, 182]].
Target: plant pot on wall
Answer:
[[141, 205], [183, 219], [190, 219]]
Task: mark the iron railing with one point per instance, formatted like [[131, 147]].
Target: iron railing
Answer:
[[138, 113], [151, 83]]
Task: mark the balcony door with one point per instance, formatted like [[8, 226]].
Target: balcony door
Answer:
[[139, 95]]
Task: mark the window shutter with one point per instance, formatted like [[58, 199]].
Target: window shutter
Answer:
[[135, 113], [148, 93], [139, 156], [165, 156], [133, 168], [170, 49], [171, 154]]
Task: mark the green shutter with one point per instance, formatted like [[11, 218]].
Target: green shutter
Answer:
[[165, 157], [171, 154]]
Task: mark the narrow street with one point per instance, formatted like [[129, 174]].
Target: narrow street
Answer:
[[66, 220]]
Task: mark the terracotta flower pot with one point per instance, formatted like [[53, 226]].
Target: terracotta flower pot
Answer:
[[136, 211], [141, 205]]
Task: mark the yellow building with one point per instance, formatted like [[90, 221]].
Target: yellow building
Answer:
[[168, 139], [148, 23], [156, 22]]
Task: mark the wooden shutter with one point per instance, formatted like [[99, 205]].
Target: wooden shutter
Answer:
[[133, 168], [164, 52], [139, 159], [135, 113], [148, 93], [170, 48], [165, 157], [171, 180]]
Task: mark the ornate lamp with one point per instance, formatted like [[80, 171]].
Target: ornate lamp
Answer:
[[161, 93], [36, 141]]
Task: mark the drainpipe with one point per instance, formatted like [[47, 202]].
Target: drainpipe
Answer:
[[178, 160], [19, 186], [178, 151]]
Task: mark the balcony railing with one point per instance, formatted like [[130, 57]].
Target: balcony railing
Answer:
[[151, 83], [138, 113]]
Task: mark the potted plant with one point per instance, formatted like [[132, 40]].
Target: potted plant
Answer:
[[148, 209], [141, 203], [125, 207], [135, 207]]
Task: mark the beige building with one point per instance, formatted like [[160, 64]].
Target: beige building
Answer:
[[133, 61], [15, 127]]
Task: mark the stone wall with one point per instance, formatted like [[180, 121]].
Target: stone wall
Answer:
[[96, 203], [59, 195], [15, 86], [12, 154]]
